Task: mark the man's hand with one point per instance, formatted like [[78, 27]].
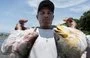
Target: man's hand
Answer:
[[70, 22], [20, 25]]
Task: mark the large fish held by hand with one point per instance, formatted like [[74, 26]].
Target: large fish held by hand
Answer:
[[19, 43], [71, 42]]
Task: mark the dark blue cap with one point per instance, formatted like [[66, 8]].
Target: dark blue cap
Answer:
[[46, 3]]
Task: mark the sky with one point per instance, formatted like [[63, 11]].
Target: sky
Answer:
[[11, 11]]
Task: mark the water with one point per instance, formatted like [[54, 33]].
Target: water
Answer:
[[1, 41], [1, 55]]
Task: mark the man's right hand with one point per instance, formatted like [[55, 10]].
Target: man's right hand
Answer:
[[20, 25]]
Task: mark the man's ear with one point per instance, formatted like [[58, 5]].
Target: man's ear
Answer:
[[37, 17], [53, 16]]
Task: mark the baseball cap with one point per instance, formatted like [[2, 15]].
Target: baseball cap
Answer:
[[46, 3]]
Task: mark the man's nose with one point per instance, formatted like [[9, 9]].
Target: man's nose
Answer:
[[46, 15]]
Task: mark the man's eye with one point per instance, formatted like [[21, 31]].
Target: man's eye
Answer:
[[49, 13], [42, 13]]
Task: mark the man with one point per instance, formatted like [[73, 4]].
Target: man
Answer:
[[45, 45]]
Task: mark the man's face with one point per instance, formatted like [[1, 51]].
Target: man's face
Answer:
[[45, 17]]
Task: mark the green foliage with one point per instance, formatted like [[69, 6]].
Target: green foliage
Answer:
[[86, 32], [85, 21], [78, 23]]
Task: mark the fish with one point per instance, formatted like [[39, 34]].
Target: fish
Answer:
[[72, 42], [19, 43]]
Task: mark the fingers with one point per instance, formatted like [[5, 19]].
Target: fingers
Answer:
[[23, 21], [35, 29], [18, 27], [31, 32]]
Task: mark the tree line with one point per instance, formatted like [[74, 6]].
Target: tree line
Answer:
[[83, 23]]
